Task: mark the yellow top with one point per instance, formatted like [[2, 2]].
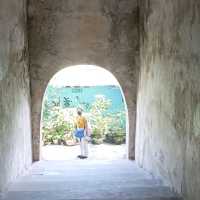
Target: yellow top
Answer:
[[81, 122]]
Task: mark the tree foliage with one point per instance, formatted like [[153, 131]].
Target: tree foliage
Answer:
[[56, 129]]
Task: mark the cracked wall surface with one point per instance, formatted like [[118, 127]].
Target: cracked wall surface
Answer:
[[168, 112], [72, 32], [106, 33], [15, 124]]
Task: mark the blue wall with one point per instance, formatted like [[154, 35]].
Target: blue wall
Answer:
[[79, 95]]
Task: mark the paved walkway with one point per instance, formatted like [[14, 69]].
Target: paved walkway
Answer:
[[96, 152], [88, 180]]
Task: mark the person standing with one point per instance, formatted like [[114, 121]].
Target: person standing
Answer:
[[81, 127]]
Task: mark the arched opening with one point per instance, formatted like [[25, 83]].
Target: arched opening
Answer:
[[98, 93]]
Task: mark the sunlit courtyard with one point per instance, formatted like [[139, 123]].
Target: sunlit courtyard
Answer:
[[98, 94], [96, 152]]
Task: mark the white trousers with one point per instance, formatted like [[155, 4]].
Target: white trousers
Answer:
[[84, 146]]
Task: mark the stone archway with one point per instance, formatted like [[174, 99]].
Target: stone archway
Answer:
[[101, 33], [38, 89], [92, 81]]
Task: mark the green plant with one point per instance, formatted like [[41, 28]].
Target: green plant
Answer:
[[116, 133], [97, 136], [100, 105], [56, 129], [106, 126], [98, 119], [67, 102], [116, 136]]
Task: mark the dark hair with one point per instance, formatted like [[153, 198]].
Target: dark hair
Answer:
[[79, 112]]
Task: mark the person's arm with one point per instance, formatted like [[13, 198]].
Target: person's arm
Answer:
[[89, 131]]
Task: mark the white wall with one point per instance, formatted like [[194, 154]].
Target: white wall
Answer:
[[15, 126]]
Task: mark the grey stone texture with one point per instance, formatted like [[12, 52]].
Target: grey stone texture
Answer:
[[151, 46], [72, 32], [15, 123], [89, 180], [168, 110]]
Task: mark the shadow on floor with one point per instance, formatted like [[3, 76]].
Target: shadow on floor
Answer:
[[88, 180]]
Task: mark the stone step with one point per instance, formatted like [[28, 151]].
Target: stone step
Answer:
[[88, 181], [139, 194]]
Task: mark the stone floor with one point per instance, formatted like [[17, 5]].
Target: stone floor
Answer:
[[97, 152], [88, 180]]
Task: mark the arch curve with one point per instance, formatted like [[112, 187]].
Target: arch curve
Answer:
[[38, 90]]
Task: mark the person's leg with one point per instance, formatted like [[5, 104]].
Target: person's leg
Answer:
[[85, 147], [82, 146]]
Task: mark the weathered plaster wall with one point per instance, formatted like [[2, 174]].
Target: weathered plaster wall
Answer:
[[70, 32], [168, 121], [15, 129]]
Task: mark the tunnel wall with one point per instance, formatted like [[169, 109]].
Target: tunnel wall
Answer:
[[168, 111], [15, 128], [73, 32]]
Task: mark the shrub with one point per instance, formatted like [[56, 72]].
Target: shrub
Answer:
[[56, 129], [116, 136], [58, 123], [116, 133], [97, 137], [98, 119]]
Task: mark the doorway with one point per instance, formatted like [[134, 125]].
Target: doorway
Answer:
[[98, 93]]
